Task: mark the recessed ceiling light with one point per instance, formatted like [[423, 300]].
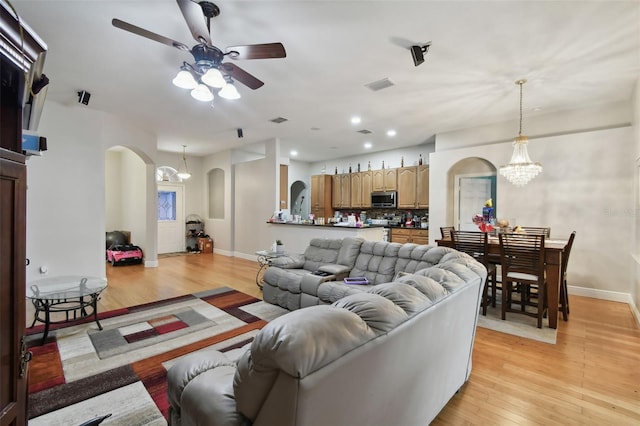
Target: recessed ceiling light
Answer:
[[391, 132], [355, 120], [293, 153], [368, 145]]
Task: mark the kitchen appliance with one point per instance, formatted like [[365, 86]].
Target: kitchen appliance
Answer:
[[384, 199]]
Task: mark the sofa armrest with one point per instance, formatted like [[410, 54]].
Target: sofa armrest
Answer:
[[295, 261], [335, 269], [310, 283]]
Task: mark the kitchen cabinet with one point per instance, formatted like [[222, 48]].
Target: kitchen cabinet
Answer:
[[385, 180], [321, 196], [341, 191], [367, 188], [423, 187], [413, 187], [361, 190], [410, 235], [356, 190]]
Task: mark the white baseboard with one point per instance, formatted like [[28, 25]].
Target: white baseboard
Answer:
[[223, 252], [151, 263], [247, 256], [612, 296]]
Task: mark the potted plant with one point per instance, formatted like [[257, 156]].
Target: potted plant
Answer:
[[279, 246]]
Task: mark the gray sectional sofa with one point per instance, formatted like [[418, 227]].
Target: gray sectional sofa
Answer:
[[290, 281], [392, 353]]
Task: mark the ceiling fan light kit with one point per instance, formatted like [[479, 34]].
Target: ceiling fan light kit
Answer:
[[208, 70]]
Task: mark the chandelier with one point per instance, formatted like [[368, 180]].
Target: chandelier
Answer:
[[202, 78], [520, 169], [183, 171]]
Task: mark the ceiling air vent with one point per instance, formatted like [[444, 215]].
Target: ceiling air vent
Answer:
[[380, 84], [365, 131], [279, 120]]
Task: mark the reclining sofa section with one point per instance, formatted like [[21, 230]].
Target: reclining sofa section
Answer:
[[393, 353]]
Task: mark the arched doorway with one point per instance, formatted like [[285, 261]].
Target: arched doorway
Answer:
[[299, 199], [471, 182]]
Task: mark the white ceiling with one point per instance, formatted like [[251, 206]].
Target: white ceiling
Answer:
[[573, 53]]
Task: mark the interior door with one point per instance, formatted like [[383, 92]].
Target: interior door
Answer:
[[473, 192], [171, 220]]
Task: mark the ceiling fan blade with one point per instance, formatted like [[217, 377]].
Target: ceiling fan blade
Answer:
[[148, 34], [241, 75], [194, 16], [258, 51]]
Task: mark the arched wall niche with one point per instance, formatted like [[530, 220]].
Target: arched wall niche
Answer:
[[215, 187], [299, 199], [470, 166]]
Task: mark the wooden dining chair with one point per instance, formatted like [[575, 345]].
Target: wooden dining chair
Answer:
[[476, 245], [533, 230], [523, 270], [446, 231], [564, 294]]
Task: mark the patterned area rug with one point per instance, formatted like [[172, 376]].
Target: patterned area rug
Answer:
[[81, 372]]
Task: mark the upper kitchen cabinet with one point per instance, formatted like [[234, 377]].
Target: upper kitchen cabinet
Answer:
[[361, 190], [385, 180], [321, 196], [413, 187], [341, 191]]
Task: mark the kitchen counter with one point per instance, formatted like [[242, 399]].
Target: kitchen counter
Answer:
[[296, 236]]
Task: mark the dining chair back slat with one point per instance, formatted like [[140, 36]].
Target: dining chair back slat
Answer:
[[564, 295], [476, 245], [446, 232], [523, 270], [533, 230]]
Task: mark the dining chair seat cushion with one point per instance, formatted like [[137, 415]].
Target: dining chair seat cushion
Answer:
[[519, 276]]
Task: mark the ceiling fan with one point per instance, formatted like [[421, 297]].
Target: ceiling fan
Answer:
[[208, 70]]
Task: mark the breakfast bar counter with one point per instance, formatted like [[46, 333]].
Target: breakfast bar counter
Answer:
[[296, 236]]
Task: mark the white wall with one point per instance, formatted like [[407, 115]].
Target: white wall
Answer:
[[220, 230], [113, 183], [391, 158], [635, 291], [586, 185], [66, 190], [256, 198]]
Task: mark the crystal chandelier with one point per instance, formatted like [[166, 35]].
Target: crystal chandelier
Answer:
[[520, 169]]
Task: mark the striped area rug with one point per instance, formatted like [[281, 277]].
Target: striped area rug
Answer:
[[81, 372]]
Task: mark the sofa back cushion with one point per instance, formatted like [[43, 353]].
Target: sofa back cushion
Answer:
[[321, 251], [349, 251], [376, 261]]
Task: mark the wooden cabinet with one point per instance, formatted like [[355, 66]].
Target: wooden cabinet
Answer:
[[409, 235], [321, 196], [367, 187], [356, 190], [423, 187], [19, 50], [341, 191], [385, 180], [361, 190], [413, 187], [407, 187]]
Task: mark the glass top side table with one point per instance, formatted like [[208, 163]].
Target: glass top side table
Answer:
[[264, 260], [74, 296]]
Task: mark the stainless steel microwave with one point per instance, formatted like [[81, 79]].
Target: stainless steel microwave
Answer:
[[384, 199]]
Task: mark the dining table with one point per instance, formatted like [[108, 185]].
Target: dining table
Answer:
[[553, 251]]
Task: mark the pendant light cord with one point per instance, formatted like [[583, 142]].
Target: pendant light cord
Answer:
[[520, 131]]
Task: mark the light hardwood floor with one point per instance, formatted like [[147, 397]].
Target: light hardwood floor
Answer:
[[590, 377]]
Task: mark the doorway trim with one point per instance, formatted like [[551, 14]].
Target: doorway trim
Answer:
[[456, 191]]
